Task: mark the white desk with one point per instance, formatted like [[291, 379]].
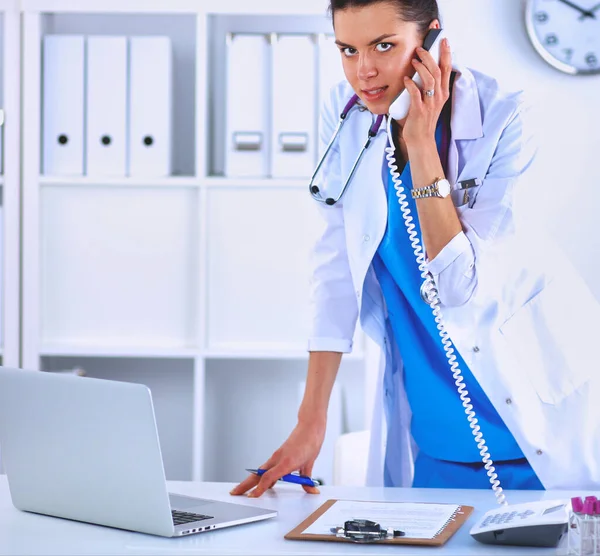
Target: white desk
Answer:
[[30, 534]]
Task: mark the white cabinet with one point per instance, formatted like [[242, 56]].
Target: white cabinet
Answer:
[[10, 176], [118, 266], [257, 268], [194, 284], [10, 168]]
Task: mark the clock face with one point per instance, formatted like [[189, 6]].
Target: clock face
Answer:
[[566, 33]]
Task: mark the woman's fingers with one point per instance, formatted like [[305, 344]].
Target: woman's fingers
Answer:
[[268, 479], [307, 472], [414, 92], [253, 479], [434, 76], [429, 64], [427, 78], [245, 485], [299, 451], [446, 65]]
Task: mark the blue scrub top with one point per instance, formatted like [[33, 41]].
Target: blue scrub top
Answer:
[[439, 425]]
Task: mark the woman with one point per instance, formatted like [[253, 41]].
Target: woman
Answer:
[[524, 362]]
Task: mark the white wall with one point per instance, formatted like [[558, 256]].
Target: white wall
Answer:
[[564, 183]]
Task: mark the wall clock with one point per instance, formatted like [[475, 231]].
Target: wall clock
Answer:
[[566, 33]]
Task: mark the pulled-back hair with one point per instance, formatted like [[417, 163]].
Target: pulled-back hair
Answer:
[[421, 12]]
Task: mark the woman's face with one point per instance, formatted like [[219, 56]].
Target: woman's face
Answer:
[[377, 48]]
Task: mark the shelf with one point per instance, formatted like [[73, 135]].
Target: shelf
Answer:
[[268, 7], [9, 5], [59, 350], [261, 7], [110, 6], [292, 355], [243, 354], [217, 181], [174, 181], [82, 181]]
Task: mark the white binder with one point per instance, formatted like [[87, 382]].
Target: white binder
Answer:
[[150, 106], [294, 106], [248, 105], [330, 71], [63, 105], [106, 106]]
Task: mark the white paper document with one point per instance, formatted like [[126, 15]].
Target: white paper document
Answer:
[[416, 520]]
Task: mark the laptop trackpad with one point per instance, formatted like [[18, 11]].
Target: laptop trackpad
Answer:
[[179, 502]]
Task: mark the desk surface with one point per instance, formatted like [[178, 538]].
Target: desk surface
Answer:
[[24, 533]]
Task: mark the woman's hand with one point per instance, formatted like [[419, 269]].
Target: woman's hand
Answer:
[[297, 453], [424, 112]]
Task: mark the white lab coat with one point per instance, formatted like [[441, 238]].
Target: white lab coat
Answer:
[[524, 322]]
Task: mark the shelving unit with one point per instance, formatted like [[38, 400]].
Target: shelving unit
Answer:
[[195, 284], [10, 101], [91, 181], [10, 207]]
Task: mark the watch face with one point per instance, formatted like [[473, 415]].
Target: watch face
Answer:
[[444, 188], [566, 33]]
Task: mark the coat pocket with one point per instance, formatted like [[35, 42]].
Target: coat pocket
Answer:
[[551, 339], [465, 198]]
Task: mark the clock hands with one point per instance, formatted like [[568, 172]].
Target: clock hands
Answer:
[[585, 13], [594, 9]]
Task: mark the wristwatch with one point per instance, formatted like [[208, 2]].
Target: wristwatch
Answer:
[[439, 188]]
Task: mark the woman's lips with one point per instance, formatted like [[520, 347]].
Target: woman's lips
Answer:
[[374, 94]]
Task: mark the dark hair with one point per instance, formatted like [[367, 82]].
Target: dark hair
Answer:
[[421, 12]]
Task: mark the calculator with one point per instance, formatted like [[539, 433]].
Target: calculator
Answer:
[[531, 524]]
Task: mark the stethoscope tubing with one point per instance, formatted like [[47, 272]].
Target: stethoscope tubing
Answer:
[[373, 130]]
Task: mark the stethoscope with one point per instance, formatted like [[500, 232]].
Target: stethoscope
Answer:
[[314, 189], [428, 290]]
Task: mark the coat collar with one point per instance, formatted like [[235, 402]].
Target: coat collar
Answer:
[[465, 120]]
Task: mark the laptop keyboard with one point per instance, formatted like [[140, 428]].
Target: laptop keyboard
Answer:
[[179, 518]]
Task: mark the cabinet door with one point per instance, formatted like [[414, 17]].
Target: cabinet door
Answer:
[[259, 241], [118, 266]]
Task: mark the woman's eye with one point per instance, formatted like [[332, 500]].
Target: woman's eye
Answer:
[[349, 51], [384, 46]]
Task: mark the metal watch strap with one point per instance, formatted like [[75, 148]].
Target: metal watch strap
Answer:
[[430, 190], [424, 192]]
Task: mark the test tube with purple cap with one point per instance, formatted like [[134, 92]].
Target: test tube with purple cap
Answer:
[[584, 526]]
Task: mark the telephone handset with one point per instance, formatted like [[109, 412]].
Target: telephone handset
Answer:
[[399, 108], [532, 524]]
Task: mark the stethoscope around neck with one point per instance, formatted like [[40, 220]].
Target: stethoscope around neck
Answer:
[[314, 189], [428, 290]]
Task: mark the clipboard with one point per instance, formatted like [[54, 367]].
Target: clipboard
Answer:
[[458, 518]]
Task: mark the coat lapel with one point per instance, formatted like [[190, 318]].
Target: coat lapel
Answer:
[[465, 119]]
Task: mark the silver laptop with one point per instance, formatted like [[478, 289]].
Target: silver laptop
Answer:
[[87, 449]]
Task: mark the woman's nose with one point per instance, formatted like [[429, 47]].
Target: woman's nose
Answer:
[[366, 68]]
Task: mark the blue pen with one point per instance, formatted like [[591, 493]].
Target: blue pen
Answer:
[[291, 478]]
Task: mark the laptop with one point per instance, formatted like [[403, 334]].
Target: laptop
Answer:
[[87, 449]]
